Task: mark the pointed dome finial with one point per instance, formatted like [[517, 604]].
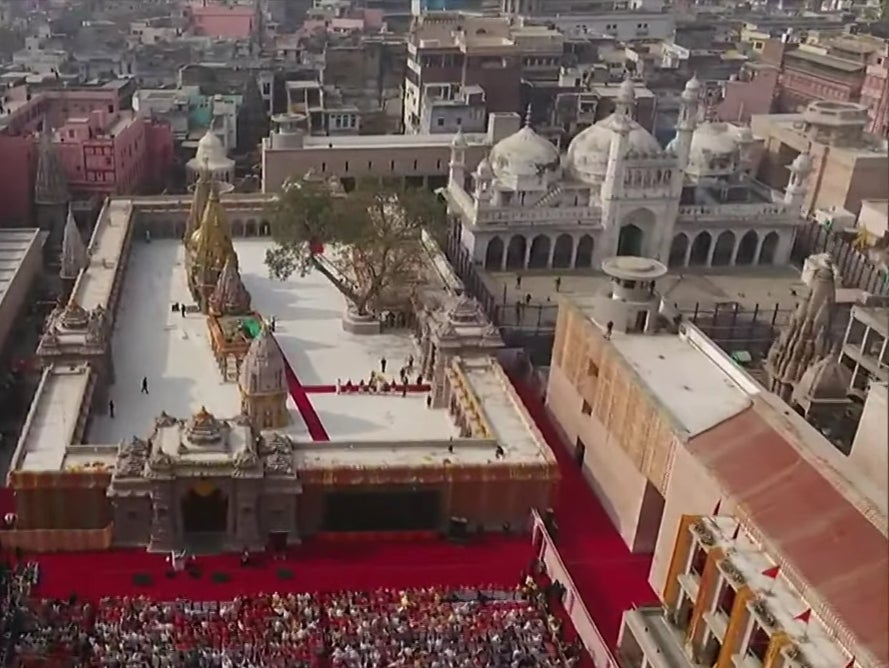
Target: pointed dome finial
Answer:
[[528, 116], [74, 254]]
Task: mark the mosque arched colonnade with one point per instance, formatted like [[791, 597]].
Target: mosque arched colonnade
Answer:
[[247, 226], [553, 250], [729, 248]]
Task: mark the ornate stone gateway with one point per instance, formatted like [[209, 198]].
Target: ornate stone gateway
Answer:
[[204, 509]]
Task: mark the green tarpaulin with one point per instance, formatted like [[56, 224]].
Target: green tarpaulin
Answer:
[[251, 327]]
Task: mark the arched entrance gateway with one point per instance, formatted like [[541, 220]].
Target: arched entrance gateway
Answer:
[[204, 509]]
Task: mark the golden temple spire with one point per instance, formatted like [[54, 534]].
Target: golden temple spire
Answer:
[[211, 242], [202, 188]]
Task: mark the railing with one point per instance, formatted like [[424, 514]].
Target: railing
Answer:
[[580, 617]]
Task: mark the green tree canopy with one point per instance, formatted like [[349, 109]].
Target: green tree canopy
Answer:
[[365, 242]]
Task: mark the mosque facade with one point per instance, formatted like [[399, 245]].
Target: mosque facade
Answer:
[[616, 191]]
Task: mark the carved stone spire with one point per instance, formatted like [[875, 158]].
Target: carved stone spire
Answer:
[[74, 254], [50, 183], [806, 338], [202, 188], [263, 383], [230, 296]]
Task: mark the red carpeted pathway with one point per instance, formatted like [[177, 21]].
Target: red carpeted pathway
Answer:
[[315, 566], [609, 578], [331, 389], [303, 403]]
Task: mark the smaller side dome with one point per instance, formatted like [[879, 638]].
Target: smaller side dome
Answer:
[[484, 171], [262, 370], [459, 140], [210, 153], [802, 164]]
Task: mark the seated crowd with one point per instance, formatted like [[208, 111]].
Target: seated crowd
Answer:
[[15, 588], [435, 627]]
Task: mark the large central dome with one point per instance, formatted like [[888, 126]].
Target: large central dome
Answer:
[[588, 152], [523, 154]]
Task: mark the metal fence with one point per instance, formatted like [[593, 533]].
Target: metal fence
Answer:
[[856, 269], [732, 327]]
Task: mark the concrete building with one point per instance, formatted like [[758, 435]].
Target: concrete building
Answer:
[[103, 148], [869, 449], [750, 93], [229, 20], [736, 495], [866, 348], [848, 164], [289, 152], [615, 191], [463, 50], [875, 90]]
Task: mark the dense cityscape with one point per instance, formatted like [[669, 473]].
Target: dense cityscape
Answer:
[[444, 333]]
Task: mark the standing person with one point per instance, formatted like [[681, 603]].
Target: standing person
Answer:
[[144, 384], [382, 365], [111, 408], [518, 281], [558, 283]]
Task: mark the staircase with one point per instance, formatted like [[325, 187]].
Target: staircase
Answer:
[[551, 195]]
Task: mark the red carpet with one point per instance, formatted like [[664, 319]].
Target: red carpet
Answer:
[[315, 566], [609, 578], [303, 404], [331, 389]]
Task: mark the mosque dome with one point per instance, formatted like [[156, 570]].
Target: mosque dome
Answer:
[[211, 152], [802, 164], [588, 151], [262, 370], [714, 148], [484, 170], [522, 154]]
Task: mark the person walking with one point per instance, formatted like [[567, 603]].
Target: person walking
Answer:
[[144, 385]]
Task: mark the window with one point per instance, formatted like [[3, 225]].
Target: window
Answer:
[[346, 166], [698, 561], [370, 165], [415, 165], [586, 408], [391, 165], [726, 600], [323, 166], [439, 122], [759, 644]]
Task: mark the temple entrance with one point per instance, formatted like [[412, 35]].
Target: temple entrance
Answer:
[[205, 510], [390, 510]]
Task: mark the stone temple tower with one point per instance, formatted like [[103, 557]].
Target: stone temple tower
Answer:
[[51, 197], [263, 384], [74, 256]]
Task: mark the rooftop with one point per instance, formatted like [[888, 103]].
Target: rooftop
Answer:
[[173, 352], [14, 247], [395, 141]]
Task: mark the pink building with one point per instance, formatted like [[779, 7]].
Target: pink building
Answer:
[[875, 91], [102, 149], [752, 94], [211, 18]]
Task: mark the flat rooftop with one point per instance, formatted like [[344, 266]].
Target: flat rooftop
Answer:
[[681, 377], [395, 141], [14, 247]]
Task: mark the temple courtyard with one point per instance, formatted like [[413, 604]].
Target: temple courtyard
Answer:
[[173, 352]]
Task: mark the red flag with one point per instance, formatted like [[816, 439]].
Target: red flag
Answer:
[[737, 531], [772, 573], [851, 663], [716, 509], [804, 616]]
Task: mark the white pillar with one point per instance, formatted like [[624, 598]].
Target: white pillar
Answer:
[[552, 252], [711, 251], [527, 253], [759, 241], [735, 250], [576, 245], [687, 251]]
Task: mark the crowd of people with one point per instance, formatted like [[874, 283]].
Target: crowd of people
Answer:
[[434, 627], [15, 588]]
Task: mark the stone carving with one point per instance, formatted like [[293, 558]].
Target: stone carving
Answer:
[[733, 573], [164, 420], [246, 459], [160, 461], [277, 452], [95, 328], [74, 316], [761, 609], [705, 536], [230, 297], [131, 458]]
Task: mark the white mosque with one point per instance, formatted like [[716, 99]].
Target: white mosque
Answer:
[[616, 191]]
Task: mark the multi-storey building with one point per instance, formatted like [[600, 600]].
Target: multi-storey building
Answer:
[[615, 191], [465, 50], [102, 148], [875, 91], [848, 165], [769, 545]]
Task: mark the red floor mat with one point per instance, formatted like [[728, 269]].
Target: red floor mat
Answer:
[[303, 404]]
